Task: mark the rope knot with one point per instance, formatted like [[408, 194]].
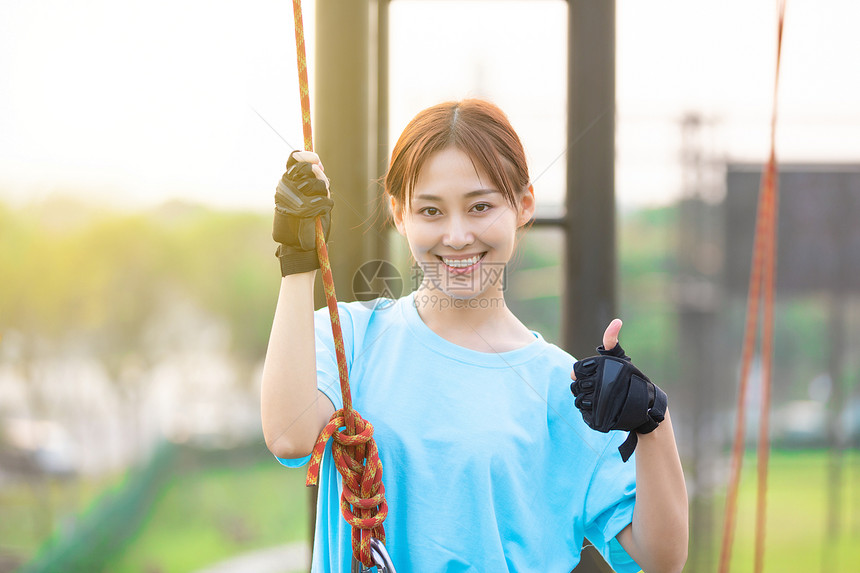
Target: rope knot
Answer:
[[362, 501], [354, 450]]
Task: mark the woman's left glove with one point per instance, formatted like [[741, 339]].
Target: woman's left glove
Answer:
[[302, 195], [612, 394]]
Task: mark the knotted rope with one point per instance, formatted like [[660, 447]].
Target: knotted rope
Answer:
[[356, 457]]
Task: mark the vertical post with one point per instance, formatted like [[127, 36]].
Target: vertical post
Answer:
[[590, 261], [698, 301], [381, 144], [349, 84], [344, 127], [836, 438]]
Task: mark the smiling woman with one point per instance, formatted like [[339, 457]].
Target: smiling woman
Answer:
[[489, 465], [467, 193]]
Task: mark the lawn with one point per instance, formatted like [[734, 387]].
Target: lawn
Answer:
[[30, 508], [797, 514], [203, 516]]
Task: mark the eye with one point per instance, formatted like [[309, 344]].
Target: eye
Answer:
[[429, 211], [482, 207]]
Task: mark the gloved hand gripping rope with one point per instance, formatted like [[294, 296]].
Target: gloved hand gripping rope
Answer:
[[300, 198], [301, 226]]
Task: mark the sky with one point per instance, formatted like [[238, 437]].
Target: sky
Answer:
[[135, 103]]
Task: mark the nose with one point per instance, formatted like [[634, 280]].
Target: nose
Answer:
[[457, 235]]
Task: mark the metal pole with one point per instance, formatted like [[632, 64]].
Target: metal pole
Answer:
[[837, 334], [345, 107], [344, 126], [382, 229], [698, 301], [589, 222], [590, 261]]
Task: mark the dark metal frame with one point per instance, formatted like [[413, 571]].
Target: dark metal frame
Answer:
[[354, 94], [354, 82]]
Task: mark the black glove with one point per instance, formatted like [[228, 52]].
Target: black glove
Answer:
[[299, 199], [612, 394]]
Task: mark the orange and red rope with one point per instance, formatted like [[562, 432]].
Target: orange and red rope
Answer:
[[761, 289], [354, 450]]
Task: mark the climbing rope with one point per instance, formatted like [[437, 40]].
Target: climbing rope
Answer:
[[761, 288], [354, 450]]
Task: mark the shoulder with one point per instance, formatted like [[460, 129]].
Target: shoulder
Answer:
[[366, 310], [555, 364], [357, 317], [548, 356], [555, 353]]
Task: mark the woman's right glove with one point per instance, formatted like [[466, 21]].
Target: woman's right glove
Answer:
[[302, 195], [612, 394]]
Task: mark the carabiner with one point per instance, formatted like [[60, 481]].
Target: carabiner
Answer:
[[380, 558]]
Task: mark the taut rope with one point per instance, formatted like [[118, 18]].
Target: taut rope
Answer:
[[761, 286], [354, 449]]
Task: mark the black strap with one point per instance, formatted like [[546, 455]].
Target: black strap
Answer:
[[657, 413], [297, 261]]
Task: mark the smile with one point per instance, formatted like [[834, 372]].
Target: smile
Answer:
[[462, 263]]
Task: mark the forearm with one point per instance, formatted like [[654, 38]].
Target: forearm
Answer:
[[658, 537], [291, 409]]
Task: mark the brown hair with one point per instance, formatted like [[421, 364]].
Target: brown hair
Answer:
[[478, 128]]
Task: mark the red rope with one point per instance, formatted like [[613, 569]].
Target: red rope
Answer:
[[301, 60], [761, 287], [356, 457]]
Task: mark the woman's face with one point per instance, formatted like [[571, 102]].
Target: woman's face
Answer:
[[461, 230]]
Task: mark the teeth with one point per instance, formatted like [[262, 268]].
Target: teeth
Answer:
[[462, 263]]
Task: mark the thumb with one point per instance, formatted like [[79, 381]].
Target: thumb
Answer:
[[610, 336]]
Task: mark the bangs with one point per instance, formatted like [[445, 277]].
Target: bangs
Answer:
[[477, 128]]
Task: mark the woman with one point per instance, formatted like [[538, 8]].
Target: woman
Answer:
[[489, 466]]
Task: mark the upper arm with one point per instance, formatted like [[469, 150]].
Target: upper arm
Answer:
[[325, 409], [625, 538], [285, 447]]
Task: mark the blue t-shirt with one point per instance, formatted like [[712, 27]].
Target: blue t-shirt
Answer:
[[487, 463]]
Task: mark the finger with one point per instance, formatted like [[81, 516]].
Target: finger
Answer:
[[307, 157], [610, 337], [572, 375], [318, 173]]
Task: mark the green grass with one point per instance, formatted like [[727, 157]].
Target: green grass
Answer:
[[207, 516], [30, 508], [796, 516]]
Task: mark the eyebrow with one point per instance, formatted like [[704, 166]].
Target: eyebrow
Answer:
[[470, 194]]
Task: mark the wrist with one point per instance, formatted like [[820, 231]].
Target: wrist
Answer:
[[306, 277], [299, 285], [659, 404], [294, 261], [661, 428]]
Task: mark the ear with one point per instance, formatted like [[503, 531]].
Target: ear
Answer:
[[527, 206], [396, 215]]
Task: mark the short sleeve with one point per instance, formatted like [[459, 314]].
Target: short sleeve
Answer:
[[293, 462], [328, 379], [609, 505]]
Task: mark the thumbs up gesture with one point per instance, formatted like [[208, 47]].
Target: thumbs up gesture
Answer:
[[612, 394]]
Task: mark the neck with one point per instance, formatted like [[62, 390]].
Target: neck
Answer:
[[482, 323], [436, 306]]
